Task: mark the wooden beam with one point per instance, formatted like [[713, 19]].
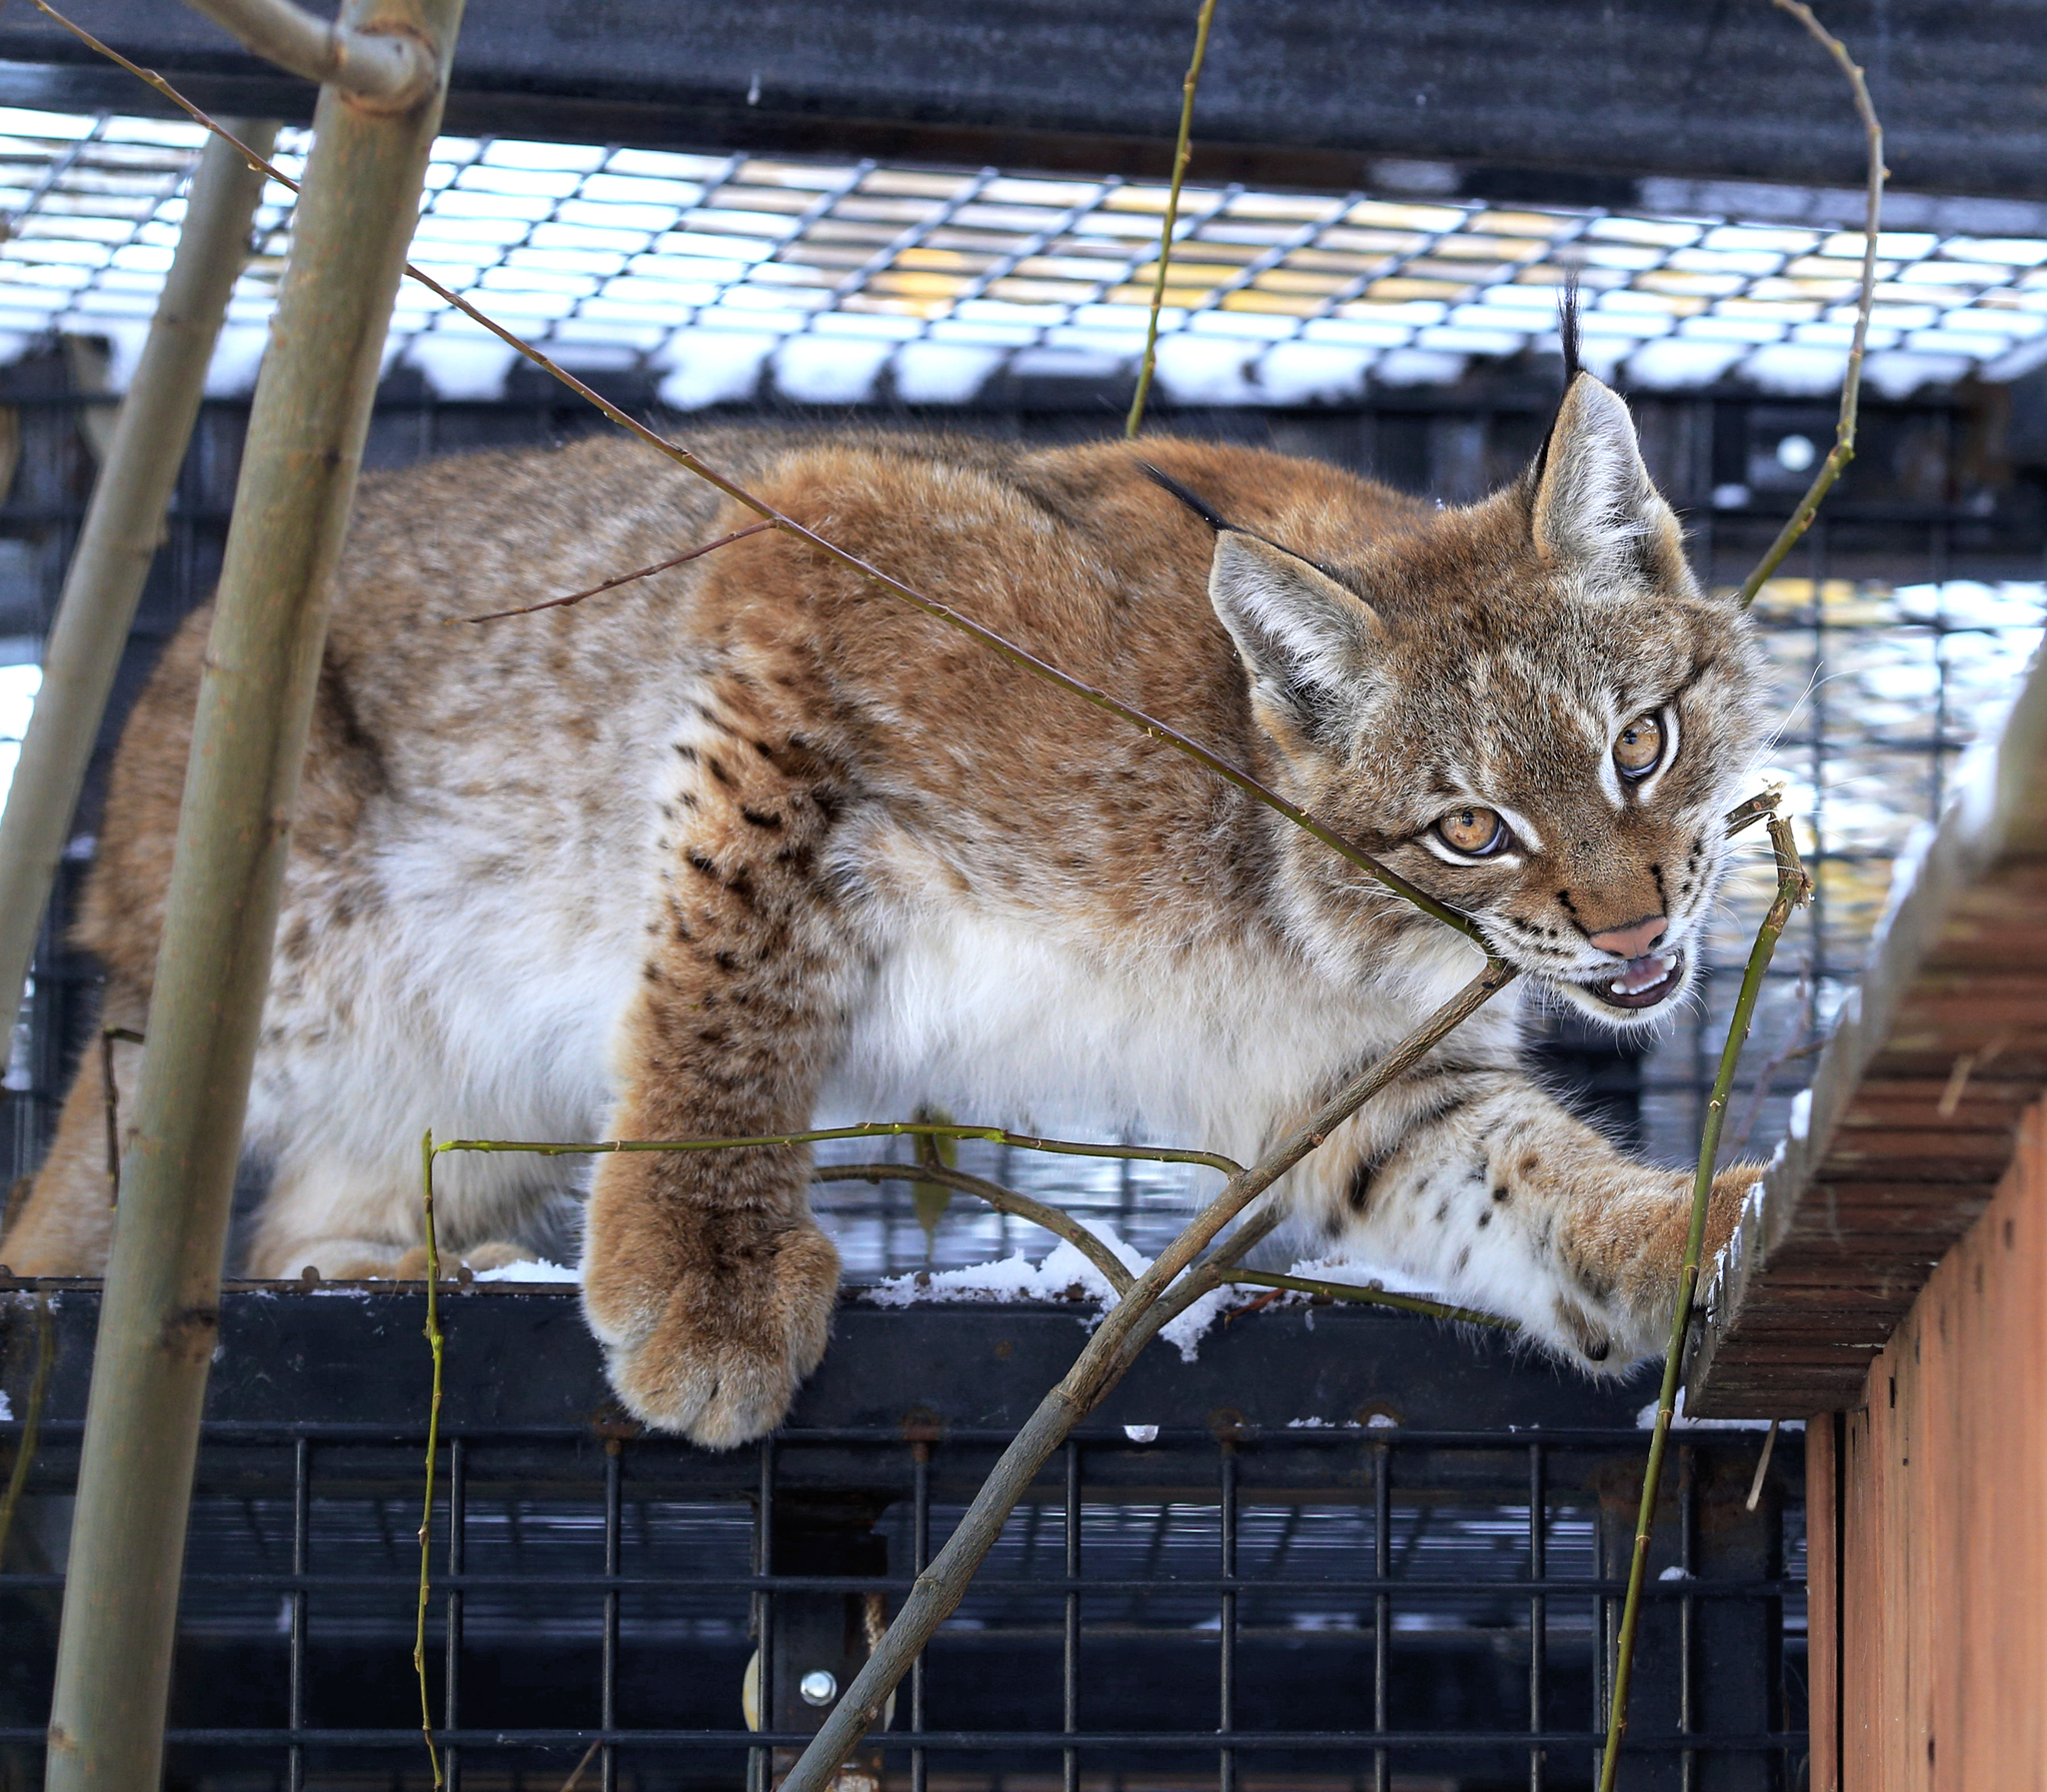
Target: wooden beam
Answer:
[[1915, 1112]]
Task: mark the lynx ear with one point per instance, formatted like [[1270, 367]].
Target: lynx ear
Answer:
[[1302, 636], [1594, 506]]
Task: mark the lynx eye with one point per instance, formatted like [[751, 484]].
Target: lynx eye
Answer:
[[1639, 749], [1477, 832]]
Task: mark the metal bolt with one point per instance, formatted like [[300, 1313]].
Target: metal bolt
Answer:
[[817, 1687]]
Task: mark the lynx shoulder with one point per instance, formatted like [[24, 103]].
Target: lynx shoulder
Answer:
[[751, 841]]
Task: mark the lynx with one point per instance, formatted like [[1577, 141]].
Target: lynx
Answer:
[[750, 842]]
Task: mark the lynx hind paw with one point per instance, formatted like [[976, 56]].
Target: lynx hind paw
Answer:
[[719, 1352]]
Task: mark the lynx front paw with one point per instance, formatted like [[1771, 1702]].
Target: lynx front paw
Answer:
[[712, 1333], [1622, 1317]]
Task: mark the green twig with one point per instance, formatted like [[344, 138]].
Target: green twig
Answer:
[[1746, 815], [432, 1329], [1341, 1290], [1793, 889], [1181, 149], [1851, 385], [870, 1129], [31, 1422], [1150, 726], [1007, 1201]]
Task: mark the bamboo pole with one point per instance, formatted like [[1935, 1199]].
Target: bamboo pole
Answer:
[[161, 1309], [123, 525]]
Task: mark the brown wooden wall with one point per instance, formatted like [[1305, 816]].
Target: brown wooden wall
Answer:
[[1928, 1526]]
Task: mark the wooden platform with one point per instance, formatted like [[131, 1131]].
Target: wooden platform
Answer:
[[1914, 1111]]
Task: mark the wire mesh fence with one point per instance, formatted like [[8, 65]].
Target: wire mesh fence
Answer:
[[1321, 1555]]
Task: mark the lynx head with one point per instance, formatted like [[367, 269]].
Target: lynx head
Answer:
[[1527, 706]]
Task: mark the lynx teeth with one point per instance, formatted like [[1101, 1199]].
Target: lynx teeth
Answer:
[[1643, 973]]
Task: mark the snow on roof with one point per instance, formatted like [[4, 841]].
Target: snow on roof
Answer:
[[712, 270]]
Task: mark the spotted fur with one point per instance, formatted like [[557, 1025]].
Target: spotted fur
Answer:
[[751, 843]]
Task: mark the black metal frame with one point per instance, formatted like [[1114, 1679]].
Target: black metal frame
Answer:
[[1344, 1547]]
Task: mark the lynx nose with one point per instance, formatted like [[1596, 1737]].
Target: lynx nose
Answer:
[[1633, 940]]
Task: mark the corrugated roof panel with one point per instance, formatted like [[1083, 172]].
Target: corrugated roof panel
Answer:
[[634, 255]]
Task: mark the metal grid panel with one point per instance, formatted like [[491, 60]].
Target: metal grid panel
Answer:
[[837, 274], [1882, 683], [1364, 1599]]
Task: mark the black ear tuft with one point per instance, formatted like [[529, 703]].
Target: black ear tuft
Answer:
[[1568, 340], [1199, 506], [1567, 328]]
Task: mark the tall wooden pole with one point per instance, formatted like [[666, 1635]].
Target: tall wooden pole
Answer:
[[123, 525], [161, 1310]]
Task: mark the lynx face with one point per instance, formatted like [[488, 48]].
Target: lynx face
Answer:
[[1529, 710]]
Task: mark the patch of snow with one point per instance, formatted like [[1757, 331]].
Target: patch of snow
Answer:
[[1187, 1332], [1975, 779], [1800, 1121], [1141, 1434], [709, 367], [1673, 1574], [830, 370], [1063, 1273], [461, 366], [1676, 363], [1645, 1420], [1898, 372], [1905, 870], [1418, 366], [1205, 371], [529, 1270], [1308, 373], [1800, 369], [237, 353], [6, 1411], [943, 373]]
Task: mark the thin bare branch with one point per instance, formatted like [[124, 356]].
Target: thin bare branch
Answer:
[[1851, 385], [1025, 1141], [1148, 724], [1794, 888], [1763, 1467], [153, 79], [659, 566], [1745, 815], [1181, 149], [31, 1422], [575, 1779], [435, 1343], [1054, 1219], [1344, 1291]]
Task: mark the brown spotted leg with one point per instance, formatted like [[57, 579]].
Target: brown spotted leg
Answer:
[[706, 1278], [1485, 1188]]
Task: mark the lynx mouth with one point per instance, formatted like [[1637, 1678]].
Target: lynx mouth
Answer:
[[1640, 982]]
